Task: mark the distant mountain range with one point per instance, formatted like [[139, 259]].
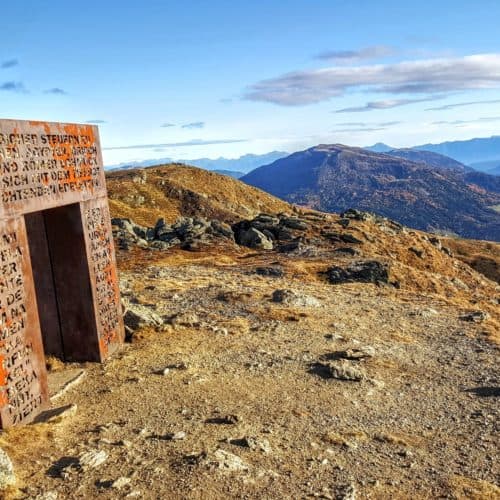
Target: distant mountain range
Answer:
[[230, 173], [428, 158], [482, 154], [471, 151], [233, 167], [333, 178]]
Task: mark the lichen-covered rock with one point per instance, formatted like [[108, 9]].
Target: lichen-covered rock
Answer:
[[371, 271], [292, 298], [343, 370], [253, 238], [7, 475], [137, 316]]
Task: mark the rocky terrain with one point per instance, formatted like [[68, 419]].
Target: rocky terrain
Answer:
[[333, 178], [276, 352]]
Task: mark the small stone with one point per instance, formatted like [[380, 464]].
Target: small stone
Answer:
[[176, 436], [475, 316], [347, 492], [254, 443], [120, 483], [417, 251], [228, 461], [48, 495], [276, 272], [363, 352], [92, 459], [138, 316], [7, 475], [134, 494], [185, 319], [226, 419], [293, 298], [343, 370]]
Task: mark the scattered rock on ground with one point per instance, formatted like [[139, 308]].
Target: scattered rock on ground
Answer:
[[120, 483], [341, 370], [371, 271], [138, 316], [253, 443], [227, 462], [292, 298], [7, 475], [475, 316], [354, 353], [276, 272]]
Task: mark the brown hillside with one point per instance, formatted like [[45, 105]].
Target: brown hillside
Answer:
[[483, 256], [173, 190]]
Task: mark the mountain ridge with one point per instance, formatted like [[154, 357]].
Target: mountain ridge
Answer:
[[244, 163], [335, 177]]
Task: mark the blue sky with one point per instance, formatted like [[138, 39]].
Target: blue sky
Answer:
[[224, 78]]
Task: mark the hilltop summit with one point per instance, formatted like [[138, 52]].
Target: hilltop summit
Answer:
[[335, 177]]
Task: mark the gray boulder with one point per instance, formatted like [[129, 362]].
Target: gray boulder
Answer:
[[371, 271], [253, 238], [137, 316]]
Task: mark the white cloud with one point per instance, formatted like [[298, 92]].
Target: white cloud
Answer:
[[298, 88], [462, 104]]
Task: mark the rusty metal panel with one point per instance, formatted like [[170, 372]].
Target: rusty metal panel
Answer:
[[45, 165], [103, 275], [23, 383], [52, 174]]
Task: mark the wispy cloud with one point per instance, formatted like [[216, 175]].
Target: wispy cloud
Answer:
[[55, 91], [194, 125], [419, 77], [367, 126], [350, 56], [461, 104], [351, 124], [389, 124], [361, 129], [9, 64], [194, 142], [167, 125], [484, 119], [385, 104], [13, 87], [96, 122], [364, 124]]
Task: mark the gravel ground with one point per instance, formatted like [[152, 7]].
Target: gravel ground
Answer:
[[234, 397]]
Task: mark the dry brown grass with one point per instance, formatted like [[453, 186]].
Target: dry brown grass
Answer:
[[471, 489], [483, 256], [173, 190]]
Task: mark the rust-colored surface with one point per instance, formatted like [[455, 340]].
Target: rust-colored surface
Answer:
[[45, 165], [23, 382], [103, 276], [51, 174]]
